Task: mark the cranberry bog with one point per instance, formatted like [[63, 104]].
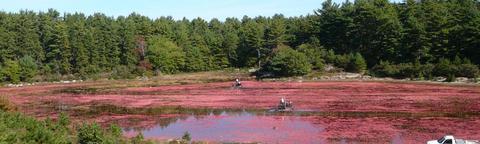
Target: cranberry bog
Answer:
[[325, 112]]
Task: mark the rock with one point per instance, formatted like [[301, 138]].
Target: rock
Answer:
[[352, 75], [439, 79], [324, 77], [366, 77], [328, 68], [388, 79], [461, 79], [15, 85]]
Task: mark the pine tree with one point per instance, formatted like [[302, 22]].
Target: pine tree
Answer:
[[197, 55], [275, 33], [59, 54], [377, 30], [126, 43], [402, 33], [164, 26], [182, 33], [77, 35], [415, 42], [27, 39], [252, 48], [464, 37], [7, 39], [435, 16], [231, 40], [193, 59], [334, 25], [214, 40], [46, 30]]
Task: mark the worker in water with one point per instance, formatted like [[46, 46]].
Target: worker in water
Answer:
[[238, 83], [282, 103]]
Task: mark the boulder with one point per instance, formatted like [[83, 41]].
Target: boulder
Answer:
[[439, 79], [461, 79], [352, 75]]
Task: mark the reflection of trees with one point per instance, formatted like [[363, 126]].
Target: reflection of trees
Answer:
[[150, 121]]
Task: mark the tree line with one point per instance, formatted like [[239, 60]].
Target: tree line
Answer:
[[359, 36]]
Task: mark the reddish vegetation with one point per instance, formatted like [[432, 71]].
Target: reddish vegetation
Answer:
[[314, 96], [395, 130], [319, 96]]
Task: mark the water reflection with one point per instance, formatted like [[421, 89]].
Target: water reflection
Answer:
[[239, 127], [305, 127]]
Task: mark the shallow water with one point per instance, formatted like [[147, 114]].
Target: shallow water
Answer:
[[264, 127], [239, 127]]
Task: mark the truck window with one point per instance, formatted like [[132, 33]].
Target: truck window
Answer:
[[441, 140], [448, 141]]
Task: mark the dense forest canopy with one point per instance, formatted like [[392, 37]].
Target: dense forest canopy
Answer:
[[375, 34]]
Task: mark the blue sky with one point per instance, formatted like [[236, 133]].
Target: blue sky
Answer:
[[206, 9]]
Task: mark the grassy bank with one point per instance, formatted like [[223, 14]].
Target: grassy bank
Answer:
[[19, 128]]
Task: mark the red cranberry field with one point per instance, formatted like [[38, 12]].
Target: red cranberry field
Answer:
[[325, 112]]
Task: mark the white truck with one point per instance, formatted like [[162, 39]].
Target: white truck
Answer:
[[449, 139]]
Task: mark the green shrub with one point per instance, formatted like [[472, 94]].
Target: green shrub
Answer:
[[314, 56], [444, 68], [330, 56], [357, 64], [403, 70], [427, 70], [122, 72], [63, 120], [287, 62], [115, 130], [138, 139], [165, 55], [384, 69], [28, 68], [17, 128], [342, 61], [467, 70], [12, 71], [90, 134], [416, 70], [459, 68], [186, 137]]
